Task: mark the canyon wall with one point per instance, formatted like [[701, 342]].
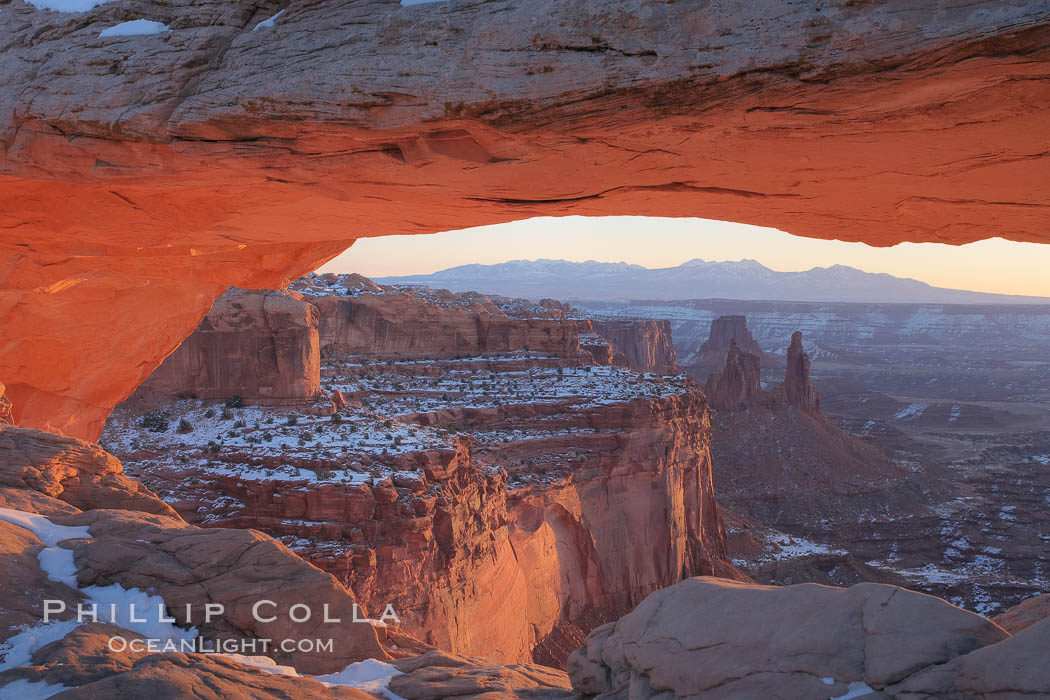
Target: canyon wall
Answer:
[[461, 488], [143, 176], [399, 326], [643, 345], [454, 542], [258, 345]]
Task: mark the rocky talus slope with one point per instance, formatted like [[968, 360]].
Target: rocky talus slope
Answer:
[[144, 175], [520, 486]]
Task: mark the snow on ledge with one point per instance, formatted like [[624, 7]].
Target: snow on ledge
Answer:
[[29, 690], [369, 675], [407, 3], [57, 562], [66, 5], [267, 23], [136, 27]]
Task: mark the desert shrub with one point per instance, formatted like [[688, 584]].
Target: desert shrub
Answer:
[[235, 401], [184, 426], [323, 473], [209, 413], [293, 420], [336, 418], [155, 421], [227, 414]]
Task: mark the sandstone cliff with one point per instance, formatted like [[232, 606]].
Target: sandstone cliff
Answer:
[[400, 326], [568, 472], [576, 466], [645, 346], [255, 344]]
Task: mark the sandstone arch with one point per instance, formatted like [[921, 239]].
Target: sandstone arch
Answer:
[[139, 177]]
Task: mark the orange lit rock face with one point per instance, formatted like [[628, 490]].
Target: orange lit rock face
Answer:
[[258, 345], [143, 176]]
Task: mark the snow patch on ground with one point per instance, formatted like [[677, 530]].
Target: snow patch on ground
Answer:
[[370, 675], [913, 411], [267, 23], [58, 564], [136, 27], [857, 689], [66, 5], [46, 531], [19, 649], [26, 690]]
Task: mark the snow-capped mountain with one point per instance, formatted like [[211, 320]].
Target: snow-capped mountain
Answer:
[[695, 279]]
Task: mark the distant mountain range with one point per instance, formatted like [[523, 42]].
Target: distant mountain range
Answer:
[[696, 279]]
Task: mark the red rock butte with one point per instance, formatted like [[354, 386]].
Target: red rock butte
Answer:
[[142, 176]]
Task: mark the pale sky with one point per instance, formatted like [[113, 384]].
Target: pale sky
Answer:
[[993, 265]]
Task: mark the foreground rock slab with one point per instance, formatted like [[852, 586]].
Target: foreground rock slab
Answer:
[[713, 638]]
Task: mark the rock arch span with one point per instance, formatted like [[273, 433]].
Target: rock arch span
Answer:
[[141, 176]]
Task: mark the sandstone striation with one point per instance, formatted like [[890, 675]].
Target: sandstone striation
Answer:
[[161, 553], [185, 567], [254, 344], [143, 176]]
